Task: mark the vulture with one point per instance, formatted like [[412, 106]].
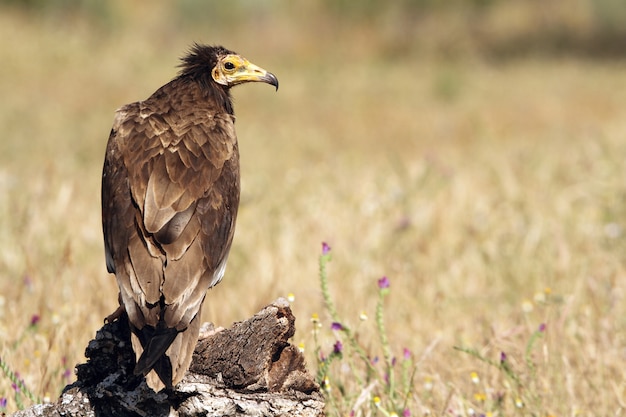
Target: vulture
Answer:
[[170, 193]]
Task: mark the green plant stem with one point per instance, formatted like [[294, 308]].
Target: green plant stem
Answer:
[[408, 386], [504, 366], [332, 311], [18, 401], [328, 301], [19, 384], [527, 354], [384, 341]]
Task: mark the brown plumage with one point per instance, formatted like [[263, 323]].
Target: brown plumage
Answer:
[[170, 193]]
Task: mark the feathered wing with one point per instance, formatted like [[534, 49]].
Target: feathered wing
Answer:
[[170, 193]]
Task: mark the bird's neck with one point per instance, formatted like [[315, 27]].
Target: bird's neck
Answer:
[[208, 90]]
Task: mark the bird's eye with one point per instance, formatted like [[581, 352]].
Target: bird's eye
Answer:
[[229, 65]]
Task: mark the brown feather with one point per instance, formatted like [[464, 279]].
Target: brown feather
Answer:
[[146, 273], [161, 162], [170, 193]]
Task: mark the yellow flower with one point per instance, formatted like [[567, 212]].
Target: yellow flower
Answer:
[[301, 347], [519, 403], [326, 384], [480, 396], [291, 297], [428, 384], [315, 319], [362, 316], [377, 401], [475, 378]]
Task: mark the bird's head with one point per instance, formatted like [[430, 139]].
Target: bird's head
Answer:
[[225, 67], [233, 69]]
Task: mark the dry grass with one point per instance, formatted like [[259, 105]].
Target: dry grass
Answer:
[[491, 195]]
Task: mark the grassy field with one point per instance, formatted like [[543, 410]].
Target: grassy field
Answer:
[[491, 193]]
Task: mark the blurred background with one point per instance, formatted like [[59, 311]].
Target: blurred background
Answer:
[[471, 150]]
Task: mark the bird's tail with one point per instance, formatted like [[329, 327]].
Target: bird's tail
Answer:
[[155, 342], [164, 354]]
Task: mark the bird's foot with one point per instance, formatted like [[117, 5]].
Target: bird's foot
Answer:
[[115, 315]]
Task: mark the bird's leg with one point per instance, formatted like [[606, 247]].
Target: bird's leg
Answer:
[[117, 313]]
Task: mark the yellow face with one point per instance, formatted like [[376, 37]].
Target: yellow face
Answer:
[[233, 69]]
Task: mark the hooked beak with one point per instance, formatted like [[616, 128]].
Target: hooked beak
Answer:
[[252, 73]]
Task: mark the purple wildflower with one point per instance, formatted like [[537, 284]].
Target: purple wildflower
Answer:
[[542, 327], [336, 326], [337, 347], [325, 248], [393, 361], [502, 357], [15, 387], [383, 283], [406, 354], [406, 413], [3, 403], [34, 320], [67, 374], [375, 360]]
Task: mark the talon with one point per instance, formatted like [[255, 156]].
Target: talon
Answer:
[[114, 316]]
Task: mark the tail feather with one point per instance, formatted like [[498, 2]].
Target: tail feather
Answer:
[[163, 370], [164, 354], [155, 343]]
